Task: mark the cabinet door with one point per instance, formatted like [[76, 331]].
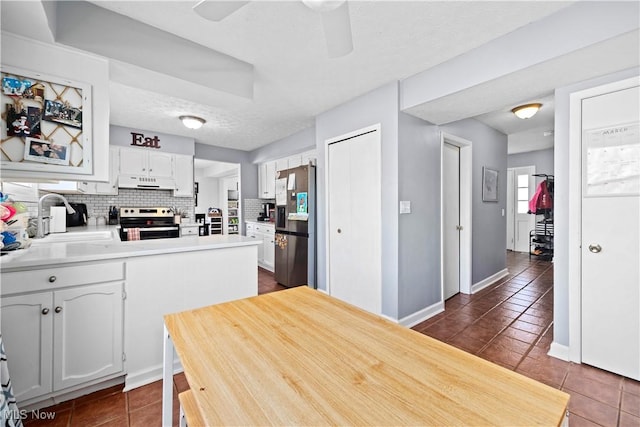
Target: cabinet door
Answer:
[[309, 157], [88, 327], [133, 162], [183, 176], [268, 251], [27, 333], [269, 180], [160, 165], [282, 164], [111, 187]]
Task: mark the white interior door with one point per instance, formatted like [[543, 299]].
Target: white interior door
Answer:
[[610, 232], [521, 191], [451, 219], [354, 221], [511, 210]]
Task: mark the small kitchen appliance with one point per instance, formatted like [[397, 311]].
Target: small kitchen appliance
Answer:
[[148, 223], [79, 217], [267, 212]]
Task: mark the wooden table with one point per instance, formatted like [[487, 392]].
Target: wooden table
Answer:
[[300, 357]]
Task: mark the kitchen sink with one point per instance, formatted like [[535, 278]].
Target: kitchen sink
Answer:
[[76, 236]]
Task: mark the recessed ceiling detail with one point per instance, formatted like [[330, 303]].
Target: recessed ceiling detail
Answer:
[[94, 29]]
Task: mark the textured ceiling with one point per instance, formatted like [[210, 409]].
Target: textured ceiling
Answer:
[[294, 80]]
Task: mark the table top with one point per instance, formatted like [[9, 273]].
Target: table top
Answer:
[[300, 357]]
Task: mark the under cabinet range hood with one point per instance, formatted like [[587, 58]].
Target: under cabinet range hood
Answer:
[[146, 182]]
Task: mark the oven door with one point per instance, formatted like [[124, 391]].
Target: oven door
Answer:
[[147, 233]]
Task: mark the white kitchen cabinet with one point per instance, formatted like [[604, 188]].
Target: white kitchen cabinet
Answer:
[[267, 180], [266, 251], [138, 162], [68, 332], [296, 160], [111, 187], [27, 334], [183, 175]]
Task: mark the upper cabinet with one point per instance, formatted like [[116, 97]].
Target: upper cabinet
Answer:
[[138, 162], [267, 180], [55, 113], [183, 175], [296, 160]]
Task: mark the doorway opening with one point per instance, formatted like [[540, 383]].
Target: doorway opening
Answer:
[[217, 192], [520, 189]]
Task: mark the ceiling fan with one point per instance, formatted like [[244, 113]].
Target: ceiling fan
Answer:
[[335, 20]]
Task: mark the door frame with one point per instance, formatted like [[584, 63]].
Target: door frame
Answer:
[[512, 196], [574, 267], [327, 142], [465, 210]]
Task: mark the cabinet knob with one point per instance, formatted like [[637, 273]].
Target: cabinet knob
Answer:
[[52, 279], [45, 311], [339, 230], [58, 309]]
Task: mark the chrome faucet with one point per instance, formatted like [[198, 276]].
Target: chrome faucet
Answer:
[[40, 232]]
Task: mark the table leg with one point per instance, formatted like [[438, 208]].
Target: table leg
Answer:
[[167, 380]]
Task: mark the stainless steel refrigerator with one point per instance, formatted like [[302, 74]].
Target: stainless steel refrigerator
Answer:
[[295, 254]]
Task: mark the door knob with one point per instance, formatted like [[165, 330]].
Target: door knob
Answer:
[[595, 248]]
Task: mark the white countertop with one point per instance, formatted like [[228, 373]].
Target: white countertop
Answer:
[[44, 254], [268, 223]]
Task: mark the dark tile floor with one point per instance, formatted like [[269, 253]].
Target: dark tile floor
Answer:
[[511, 324], [508, 323]]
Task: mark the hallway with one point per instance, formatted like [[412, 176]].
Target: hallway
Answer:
[[510, 323]]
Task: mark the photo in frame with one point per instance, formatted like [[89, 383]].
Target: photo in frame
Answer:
[[489, 185], [23, 123], [40, 150], [62, 113]]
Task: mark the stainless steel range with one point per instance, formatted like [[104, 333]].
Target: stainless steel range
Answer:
[[143, 223]]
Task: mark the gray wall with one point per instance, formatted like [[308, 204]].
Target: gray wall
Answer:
[[561, 201], [541, 159], [418, 232], [299, 142], [378, 106], [489, 227]]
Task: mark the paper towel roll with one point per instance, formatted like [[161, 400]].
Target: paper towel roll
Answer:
[[58, 221]]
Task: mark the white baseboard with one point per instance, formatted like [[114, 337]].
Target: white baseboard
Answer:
[[422, 315], [148, 376], [559, 351], [477, 287]]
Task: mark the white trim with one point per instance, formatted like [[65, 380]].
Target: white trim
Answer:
[[327, 142], [422, 315], [477, 287], [148, 376], [559, 351], [465, 210], [574, 261]]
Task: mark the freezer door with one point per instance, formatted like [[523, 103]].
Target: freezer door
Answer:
[[281, 269], [297, 260]]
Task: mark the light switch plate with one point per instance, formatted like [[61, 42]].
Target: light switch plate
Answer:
[[405, 206]]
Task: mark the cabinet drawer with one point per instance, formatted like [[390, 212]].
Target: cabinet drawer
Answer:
[[251, 226], [189, 231], [58, 277], [265, 229]]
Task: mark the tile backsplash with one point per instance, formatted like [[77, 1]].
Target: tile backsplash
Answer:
[[98, 205]]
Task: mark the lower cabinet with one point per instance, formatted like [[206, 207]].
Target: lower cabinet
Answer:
[[58, 339], [266, 251]]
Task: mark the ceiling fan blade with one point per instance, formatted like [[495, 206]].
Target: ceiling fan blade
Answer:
[[217, 10], [337, 30]]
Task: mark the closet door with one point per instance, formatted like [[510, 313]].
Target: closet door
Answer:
[[354, 221], [610, 232]]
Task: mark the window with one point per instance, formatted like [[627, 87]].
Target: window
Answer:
[[523, 194]]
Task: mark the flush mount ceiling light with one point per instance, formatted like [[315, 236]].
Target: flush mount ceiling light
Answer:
[[192, 122], [526, 111]]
